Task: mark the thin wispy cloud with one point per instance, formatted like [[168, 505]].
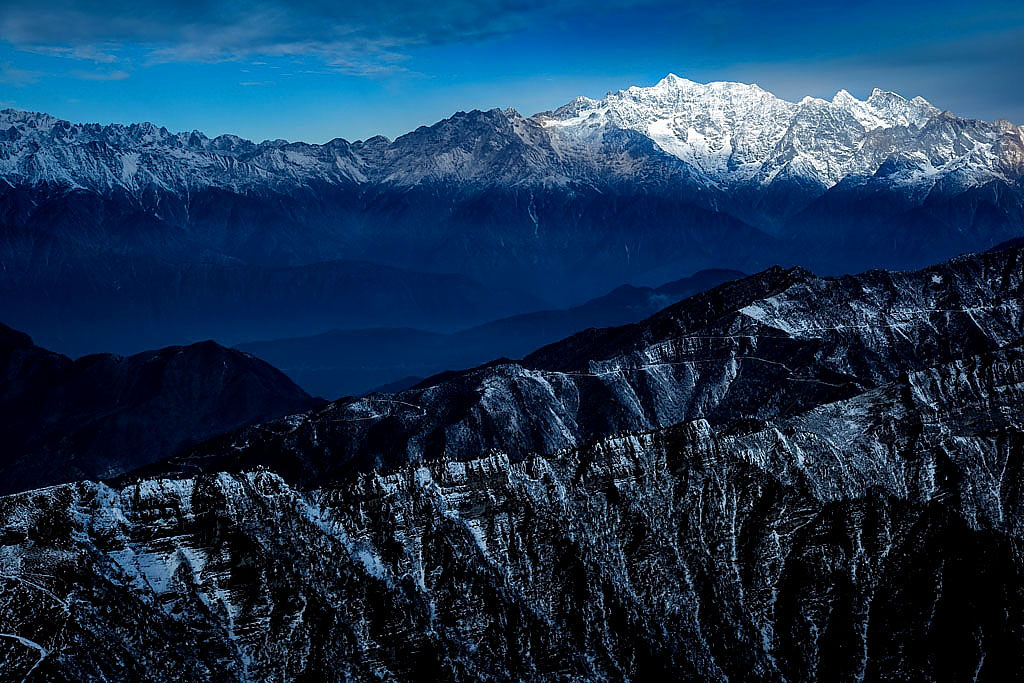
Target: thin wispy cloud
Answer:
[[361, 38], [117, 75], [12, 75], [92, 53]]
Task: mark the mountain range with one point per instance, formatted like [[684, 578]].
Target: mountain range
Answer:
[[640, 187], [545, 464], [726, 135], [785, 477], [765, 348]]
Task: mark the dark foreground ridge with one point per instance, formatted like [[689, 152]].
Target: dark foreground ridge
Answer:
[[102, 415], [783, 478]]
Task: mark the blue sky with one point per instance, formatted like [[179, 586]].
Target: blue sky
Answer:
[[315, 69]]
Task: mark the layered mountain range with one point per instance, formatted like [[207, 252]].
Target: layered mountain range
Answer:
[[354, 362], [783, 477], [726, 134], [639, 187], [786, 477]]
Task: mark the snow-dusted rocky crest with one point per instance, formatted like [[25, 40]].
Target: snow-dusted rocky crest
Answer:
[[727, 134], [38, 148], [762, 347], [736, 133]]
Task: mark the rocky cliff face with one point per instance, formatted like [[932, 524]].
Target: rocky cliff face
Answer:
[[875, 538], [845, 507]]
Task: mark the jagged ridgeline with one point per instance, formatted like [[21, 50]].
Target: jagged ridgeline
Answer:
[[786, 477], [122, 238]]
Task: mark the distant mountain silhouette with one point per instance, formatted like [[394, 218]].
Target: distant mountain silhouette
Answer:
[[353, 362]]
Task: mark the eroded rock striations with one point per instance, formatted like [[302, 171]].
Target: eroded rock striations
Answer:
[[784, 478], [763, 347]]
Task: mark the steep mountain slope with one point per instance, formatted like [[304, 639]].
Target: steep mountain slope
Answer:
[[540, 237], [101, 415], [354, 362], [832, 491], [763, 347]]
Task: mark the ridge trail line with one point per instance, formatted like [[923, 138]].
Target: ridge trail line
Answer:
[[649, 366], [37, 587], [423, 411], [43, 652], [897, 323], [791, 333]]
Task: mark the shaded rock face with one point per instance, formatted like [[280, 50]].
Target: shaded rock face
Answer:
[[763, 347], [875, 538], [838, 497], [102, 415]]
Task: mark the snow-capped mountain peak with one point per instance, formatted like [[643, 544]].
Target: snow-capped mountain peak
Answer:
[[899, 111], [716, 127], [735, 133]]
